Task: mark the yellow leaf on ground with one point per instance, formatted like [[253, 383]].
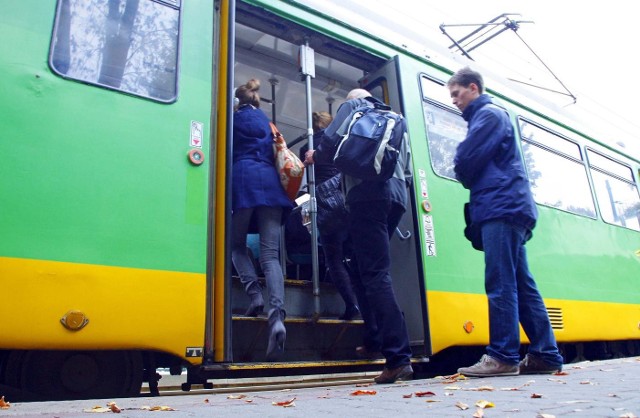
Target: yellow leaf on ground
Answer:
[[484, 404]]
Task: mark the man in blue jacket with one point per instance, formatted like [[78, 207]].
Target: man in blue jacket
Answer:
[[369, 205], [501, 216]]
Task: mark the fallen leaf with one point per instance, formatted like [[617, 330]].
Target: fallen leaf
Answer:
[[4, 404], [113, 407], [485, 404], [483, 389], [236, 396], [286, 404], [363, 392], [363, 385], [432, 400], [586, 382], [545, 416], [97, 409], [462, 406], [560, 373], [157, 408], [478, 414], [628, 415], [206, 400], [408, 396], [452, 388], [423, 394], [536, 396]]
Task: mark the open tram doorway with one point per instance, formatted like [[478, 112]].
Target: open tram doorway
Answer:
[[267, 48]]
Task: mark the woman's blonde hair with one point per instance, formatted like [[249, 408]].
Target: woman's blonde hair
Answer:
[[248, 93], [321, 120]]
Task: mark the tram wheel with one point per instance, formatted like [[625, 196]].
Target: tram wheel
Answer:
[[66, 375]]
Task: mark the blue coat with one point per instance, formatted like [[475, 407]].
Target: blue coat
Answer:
[[255, 181], [488, 163]]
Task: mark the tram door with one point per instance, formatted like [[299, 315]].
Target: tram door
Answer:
[[384, 84]]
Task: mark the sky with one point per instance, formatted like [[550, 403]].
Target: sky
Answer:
[[589, 47]]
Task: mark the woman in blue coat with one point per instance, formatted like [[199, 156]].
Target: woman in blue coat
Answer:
[[259, 204]]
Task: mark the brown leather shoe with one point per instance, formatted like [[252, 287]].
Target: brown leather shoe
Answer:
[[404, 372], [364, 352]]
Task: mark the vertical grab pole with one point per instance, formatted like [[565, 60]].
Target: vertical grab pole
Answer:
[[307, 69]]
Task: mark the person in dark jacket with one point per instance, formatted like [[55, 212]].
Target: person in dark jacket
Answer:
[[259, 204], [502, 212], [369, 204], [332, 237]]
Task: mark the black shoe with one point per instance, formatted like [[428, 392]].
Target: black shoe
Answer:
[[404, 372], [535, 365], [352, 312]]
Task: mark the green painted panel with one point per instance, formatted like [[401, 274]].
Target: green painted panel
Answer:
[[95, 176]]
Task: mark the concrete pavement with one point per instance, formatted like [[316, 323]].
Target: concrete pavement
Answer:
[[608, 388]]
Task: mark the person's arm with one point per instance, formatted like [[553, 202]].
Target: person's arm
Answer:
[[479, 147]]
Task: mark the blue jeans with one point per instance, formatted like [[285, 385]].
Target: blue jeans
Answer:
[[372, 281], [269, 228], [514, 297]]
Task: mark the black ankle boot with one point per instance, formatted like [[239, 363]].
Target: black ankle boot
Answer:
[[277, 334], [254, 291], [256, 306]]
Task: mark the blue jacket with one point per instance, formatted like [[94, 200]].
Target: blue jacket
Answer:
[[255, 181], [488, 163]]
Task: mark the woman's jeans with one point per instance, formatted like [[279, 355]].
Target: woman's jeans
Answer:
[[269, 228], [513, 297]]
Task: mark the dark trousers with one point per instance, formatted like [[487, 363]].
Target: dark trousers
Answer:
[[368, 231], [333, 247]]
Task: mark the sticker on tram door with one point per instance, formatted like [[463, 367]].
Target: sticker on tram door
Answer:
[[194, 352]]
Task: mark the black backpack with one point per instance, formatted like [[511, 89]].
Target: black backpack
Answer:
[[369, 149]]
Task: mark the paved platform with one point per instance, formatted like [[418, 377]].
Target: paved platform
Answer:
[[608, 388]]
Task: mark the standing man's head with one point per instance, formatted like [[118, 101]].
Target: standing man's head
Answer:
[[465, 86], [358, 94]]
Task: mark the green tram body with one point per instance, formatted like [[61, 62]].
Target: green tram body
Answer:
[[113, 257]]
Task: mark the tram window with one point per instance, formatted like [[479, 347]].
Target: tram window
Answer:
[[616, 191], [445, 130], [131, 46], [556, 171], [435, 90]]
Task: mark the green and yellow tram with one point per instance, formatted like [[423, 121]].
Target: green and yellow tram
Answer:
[[115, 212]]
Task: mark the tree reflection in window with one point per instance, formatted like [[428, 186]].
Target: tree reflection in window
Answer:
[[128, 45], [616, 191], [556, 171], [445, 130]]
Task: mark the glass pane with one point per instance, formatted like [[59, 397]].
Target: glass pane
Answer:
[[557, 181], [435, 90], [532, 132], [445, 130], [128, 45], [607, 164], [618, 200]]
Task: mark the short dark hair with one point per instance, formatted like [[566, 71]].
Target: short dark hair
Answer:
[[465, 76]]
